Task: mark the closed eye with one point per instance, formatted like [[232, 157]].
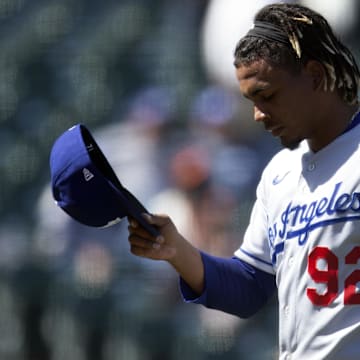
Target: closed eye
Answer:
[[262, 95]]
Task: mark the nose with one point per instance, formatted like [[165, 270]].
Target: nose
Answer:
[[259, 115]]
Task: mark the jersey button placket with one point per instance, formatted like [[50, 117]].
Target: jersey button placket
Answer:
[[290, 261]]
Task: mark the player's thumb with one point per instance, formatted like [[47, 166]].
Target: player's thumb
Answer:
[[157, 219], [163, 222]]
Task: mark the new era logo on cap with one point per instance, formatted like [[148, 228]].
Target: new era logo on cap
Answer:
[[87, 174], [85, 186]]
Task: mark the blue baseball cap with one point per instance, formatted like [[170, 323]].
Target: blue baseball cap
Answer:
[[86, 187]]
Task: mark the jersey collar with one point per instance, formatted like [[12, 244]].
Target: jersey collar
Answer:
[[354, 122]]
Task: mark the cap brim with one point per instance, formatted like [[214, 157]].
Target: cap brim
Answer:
[[86, 187]]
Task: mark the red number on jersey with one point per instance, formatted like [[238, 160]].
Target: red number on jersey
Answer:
[[329, 276], [351, 297]]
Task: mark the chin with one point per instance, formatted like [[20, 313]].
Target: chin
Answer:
[[290, 144]]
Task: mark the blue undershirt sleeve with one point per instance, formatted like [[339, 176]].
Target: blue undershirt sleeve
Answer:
[[232, 285]]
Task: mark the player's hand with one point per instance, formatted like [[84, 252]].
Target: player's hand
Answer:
[[169, 246], [162, 247]]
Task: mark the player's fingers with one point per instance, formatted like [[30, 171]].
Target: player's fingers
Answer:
[[146, 253], [132, 222], [163, 223], [142, 242], [157, 219], [144, 247], [136, 230]]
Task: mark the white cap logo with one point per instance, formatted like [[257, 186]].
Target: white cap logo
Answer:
[[87, 174]]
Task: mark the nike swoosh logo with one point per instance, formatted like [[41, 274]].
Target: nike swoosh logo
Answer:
[[278, 179]]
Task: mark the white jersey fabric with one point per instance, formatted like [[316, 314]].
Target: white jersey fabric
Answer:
[[305, 229]]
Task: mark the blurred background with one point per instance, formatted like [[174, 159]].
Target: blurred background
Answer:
[[153, 80]]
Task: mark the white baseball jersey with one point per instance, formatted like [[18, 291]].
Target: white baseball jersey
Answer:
[[305, 229]]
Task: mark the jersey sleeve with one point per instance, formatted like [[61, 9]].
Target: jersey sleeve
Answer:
[[232, 286], [255, 248]]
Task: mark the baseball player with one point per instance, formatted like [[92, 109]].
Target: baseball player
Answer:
[[303, 238]]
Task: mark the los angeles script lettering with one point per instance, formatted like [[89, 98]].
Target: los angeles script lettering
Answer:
[[297, 221]]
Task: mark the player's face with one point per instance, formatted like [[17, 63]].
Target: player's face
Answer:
[[283, 101]]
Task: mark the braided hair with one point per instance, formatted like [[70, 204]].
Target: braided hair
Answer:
[[309, 37]]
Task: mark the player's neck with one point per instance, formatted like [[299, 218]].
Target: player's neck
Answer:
[[335, 122]]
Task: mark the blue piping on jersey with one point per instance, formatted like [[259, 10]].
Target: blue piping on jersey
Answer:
[[354, 122], [256, 258], [305, 230], [279, 248], [298, 220]]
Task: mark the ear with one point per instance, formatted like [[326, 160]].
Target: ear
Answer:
[[316, 71]]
